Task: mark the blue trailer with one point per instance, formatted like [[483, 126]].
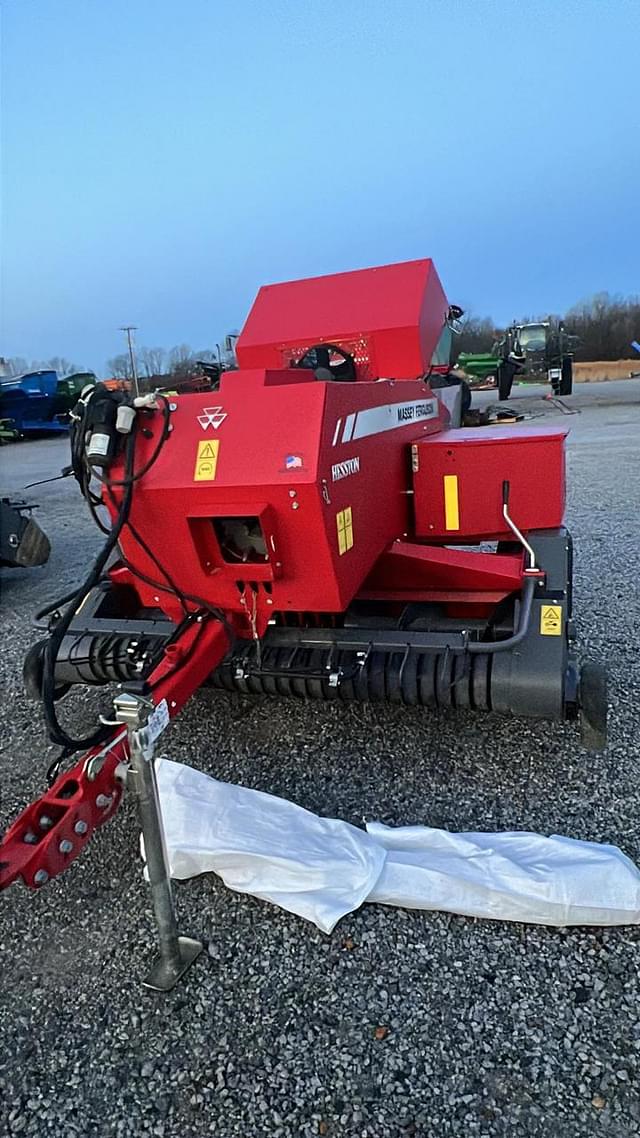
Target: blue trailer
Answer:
[[30, 402]]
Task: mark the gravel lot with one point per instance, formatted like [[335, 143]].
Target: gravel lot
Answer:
[[492, 1029]]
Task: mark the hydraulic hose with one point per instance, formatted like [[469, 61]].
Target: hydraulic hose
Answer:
[[475, 647], [57, 734]]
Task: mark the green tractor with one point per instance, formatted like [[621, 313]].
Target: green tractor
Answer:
[[543, 348], [478, 366]]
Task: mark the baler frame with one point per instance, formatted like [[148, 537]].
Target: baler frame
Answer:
[[328, 540]]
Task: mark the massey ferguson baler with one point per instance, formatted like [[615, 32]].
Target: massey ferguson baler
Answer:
[[316, 528]]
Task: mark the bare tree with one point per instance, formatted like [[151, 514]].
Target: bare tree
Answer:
[[181, 360], [153, 360], [478, 335], [61, 365], [180, 354], [120, 366], [605, 326], [16, 365]]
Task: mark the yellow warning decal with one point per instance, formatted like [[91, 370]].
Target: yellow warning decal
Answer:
[[206, 460], [451, 506], [551, 620], [344, 526]]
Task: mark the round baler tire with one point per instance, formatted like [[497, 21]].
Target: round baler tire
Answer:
[[566, 381], [504, 382]]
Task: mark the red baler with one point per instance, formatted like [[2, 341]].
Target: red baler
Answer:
[[315, 528]]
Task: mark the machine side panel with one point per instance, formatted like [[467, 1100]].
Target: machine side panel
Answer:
[[458, 482], [294, 489], [365, 466]]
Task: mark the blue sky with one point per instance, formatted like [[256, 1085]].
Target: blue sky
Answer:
[[163, 158]]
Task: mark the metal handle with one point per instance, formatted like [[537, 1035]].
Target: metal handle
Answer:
[[514, 529]]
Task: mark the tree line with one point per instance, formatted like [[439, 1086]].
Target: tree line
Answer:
[[17, 365], [604, 324], [175, 363]]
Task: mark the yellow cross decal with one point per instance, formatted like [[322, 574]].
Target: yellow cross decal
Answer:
[[344, 526]]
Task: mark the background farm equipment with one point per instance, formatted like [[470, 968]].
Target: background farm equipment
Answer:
[[38, 401], [22, 542], [334, 535], [478, 366], [636, 346], [9, 433], [527, 350]]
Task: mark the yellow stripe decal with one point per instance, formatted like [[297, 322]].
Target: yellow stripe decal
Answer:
[[451, 508], [342, 541], [348, 527]]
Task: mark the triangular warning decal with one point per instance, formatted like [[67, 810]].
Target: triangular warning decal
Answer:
[[206, 461], [551, 620]]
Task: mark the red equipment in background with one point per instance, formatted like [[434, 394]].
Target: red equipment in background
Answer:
[[314, 529]]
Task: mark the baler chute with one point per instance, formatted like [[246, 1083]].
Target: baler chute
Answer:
[[323, 531]]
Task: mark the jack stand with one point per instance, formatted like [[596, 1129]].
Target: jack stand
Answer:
[[176, 952]]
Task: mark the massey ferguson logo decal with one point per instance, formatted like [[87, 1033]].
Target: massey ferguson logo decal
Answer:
[[344, 469], [212, 417], [408, 412]]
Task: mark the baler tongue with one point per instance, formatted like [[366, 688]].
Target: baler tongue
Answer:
[[53, 831]]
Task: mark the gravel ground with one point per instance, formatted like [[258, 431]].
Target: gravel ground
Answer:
[[400, 1023]]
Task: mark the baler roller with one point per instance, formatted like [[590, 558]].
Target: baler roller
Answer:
[[428, 679], [89, 659]]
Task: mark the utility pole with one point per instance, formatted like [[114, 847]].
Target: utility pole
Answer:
[[129, 328]]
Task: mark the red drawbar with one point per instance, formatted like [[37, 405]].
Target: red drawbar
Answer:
[[53, 831]]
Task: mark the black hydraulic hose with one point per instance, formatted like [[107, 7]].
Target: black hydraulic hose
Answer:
[[479, 647], [84, 472], [138, 474], [53, 606], [57, 734]]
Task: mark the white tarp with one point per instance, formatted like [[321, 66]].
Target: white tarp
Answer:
[[322, 868], [319, 868], [513, 876]]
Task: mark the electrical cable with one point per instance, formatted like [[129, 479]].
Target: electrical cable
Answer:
[[171, 586], [84, 471], [138, 474], [57, 734]]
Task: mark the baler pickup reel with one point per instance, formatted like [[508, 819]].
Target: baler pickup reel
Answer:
[[326, 530]]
